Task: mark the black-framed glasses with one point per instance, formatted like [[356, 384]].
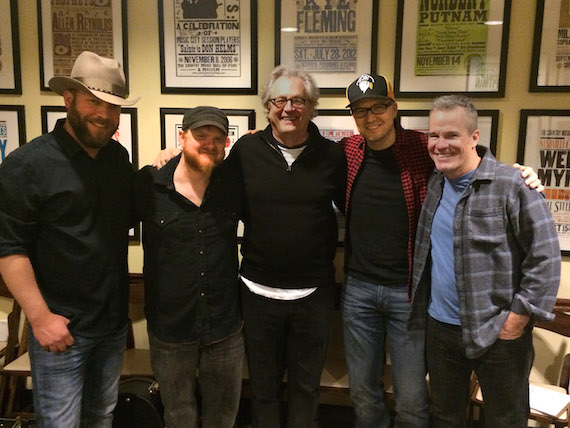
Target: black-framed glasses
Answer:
[[361, 112], [281, 102]]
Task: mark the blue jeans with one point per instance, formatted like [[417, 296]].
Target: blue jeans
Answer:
[[219, 367], [371, 313], [78, 387], [503, 372]]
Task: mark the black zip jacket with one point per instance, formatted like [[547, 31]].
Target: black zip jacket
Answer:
[[290, 226]]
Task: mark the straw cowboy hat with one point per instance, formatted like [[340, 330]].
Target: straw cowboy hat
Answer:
[[103, 77]]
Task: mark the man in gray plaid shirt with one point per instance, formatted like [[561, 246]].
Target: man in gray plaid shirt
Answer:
[[487, 266]]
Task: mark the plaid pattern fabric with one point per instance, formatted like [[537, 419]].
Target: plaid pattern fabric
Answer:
[[507, 256], [410, 151]]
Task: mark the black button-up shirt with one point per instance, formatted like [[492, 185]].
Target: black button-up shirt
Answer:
[[70, 214], [190, 256]]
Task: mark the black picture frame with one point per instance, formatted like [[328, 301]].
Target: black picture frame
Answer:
[[225, 51], [488, 125], [69, 46], [356, 52], [10, 67], [12, 117], [550, 62], [544, 140], [434, 77], [171, 122]]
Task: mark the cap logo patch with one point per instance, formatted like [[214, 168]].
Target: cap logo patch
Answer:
[[365, 82]]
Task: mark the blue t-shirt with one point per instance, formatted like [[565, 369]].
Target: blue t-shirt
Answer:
[[444, 300]]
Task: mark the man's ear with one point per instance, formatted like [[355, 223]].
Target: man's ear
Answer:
[[181, 139], [67, 97], [475, 138]]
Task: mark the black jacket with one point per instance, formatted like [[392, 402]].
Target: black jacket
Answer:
[[290, 226]]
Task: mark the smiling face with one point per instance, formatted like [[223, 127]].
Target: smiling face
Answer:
[[290, 124], [451, 144], [203, 147], [91, 121], [377, 129]]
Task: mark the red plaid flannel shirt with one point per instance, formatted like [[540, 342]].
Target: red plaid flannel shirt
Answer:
[[410, 151]]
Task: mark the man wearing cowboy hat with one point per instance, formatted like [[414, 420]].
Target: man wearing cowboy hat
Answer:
[[65, 213]]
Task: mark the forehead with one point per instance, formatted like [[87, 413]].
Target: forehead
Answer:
[[452, 119], [368, 102], [288, 87]]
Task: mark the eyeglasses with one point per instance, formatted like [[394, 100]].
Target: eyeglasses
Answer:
[[281, 102], [361, 112]]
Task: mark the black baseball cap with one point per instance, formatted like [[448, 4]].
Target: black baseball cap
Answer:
[[205, 115], [369, 86]]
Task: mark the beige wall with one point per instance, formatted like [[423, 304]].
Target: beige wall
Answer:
[[145, 81]]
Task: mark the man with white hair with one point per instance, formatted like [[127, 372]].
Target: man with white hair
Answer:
[[64, 220]]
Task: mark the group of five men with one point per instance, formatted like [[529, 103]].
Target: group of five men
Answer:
[[486, 264]]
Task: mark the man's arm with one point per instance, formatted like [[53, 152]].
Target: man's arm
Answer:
[[49, 329], [165, 155], [534, 228]]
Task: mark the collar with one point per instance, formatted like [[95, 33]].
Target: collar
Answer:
[[165, 175], [313, 138]]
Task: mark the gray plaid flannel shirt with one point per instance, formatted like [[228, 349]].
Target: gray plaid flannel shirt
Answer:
[[507, 255]]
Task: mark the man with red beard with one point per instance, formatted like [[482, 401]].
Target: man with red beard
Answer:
[[189, 210], [64, 220]]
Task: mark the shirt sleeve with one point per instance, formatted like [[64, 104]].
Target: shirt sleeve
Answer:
[[540, 267], [19, 209]]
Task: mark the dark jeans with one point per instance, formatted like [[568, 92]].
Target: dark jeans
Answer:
[[287, 336], [503, 372], [219, 368]]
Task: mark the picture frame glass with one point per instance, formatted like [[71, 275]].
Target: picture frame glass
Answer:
[[11, 133], [68, 29], [552, 69], [208, 46], [444, 48], [544, 145], [334, 41]]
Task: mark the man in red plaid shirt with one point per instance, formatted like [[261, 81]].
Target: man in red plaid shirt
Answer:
[[388, 168]]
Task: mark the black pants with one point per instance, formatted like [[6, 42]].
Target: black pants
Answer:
[[289, 336], [503, 372]]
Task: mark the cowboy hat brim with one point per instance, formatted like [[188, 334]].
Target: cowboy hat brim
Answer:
[[60, 83]]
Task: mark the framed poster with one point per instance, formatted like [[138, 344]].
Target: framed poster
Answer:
[[171, 122], [488, 124], [334, 41], [208, 46], [12, 129], [451, 47], [68, 28], [335, 124], [544, 144], [550, 70], [10, 72], [126, 134]]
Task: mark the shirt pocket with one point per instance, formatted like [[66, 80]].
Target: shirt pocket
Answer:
[[486, 227], [168, 230]]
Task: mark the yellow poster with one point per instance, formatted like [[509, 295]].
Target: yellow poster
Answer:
[[451, 37]]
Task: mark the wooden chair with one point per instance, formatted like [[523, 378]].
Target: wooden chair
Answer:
[[560, 325], [16, 368]]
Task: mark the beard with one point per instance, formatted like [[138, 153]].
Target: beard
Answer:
[[80, 127], [200, 162]]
